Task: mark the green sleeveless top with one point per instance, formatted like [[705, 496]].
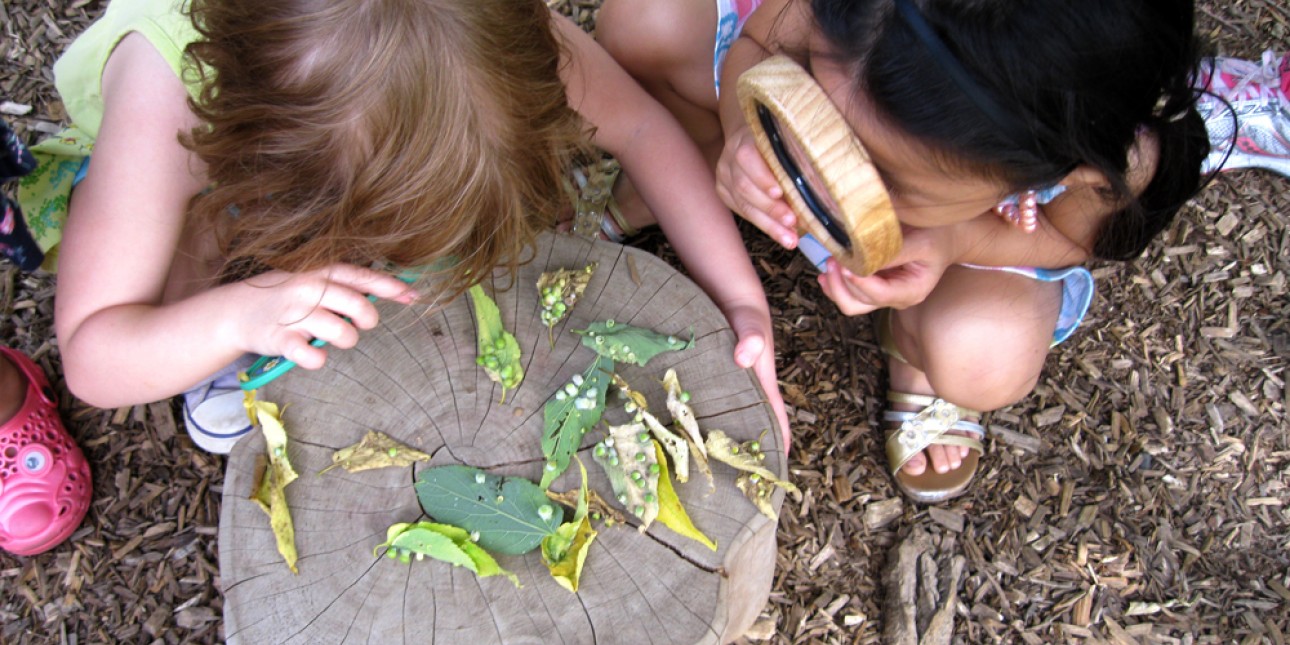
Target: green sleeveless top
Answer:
[[78, 75]]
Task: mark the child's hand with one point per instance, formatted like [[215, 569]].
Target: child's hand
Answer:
[[748, 187], [755, 348], [285, 311], [905, 282]]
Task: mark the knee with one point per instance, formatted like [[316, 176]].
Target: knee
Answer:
[[643, 36], [982, 367]]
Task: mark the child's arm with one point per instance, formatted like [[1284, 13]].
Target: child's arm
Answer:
[[672, 177], [128, 332], [744, 180]]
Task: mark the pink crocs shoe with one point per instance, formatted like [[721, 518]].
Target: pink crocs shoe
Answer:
[[44, 479]]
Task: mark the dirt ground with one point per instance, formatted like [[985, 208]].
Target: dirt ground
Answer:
[[1141, 494]]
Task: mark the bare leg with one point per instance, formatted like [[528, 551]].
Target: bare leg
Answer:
[[666, 45], [978, 341]]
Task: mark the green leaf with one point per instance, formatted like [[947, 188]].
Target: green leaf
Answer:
[[573, 411], [558, 292], [670, 511], [511, 515], [442, 542], [565, 551], [499, 352], [628, 344], [630, 461]]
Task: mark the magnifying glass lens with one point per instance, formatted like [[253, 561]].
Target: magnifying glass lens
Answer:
[[792, 158]]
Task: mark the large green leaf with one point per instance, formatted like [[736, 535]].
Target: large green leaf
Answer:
[[574, 410], [511, 515], [628, 344], [499, 352]]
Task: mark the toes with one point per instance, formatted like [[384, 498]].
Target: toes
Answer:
[[916, 464]]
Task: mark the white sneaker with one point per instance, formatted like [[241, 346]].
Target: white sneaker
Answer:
[[1254, 132], [214, 412]]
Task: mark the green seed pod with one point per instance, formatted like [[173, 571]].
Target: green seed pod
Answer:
[[685, 397], [643, 437], [499, 344], [393, 452], [650, 498], [637, 476], [545, 512], [639, 510], [640, 456], [655, 469]]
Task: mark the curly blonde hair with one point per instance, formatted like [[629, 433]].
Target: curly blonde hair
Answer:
[[414, 132]]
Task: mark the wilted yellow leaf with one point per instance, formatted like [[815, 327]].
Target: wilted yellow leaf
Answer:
[[670, 511], [268, 490], [376, 450]]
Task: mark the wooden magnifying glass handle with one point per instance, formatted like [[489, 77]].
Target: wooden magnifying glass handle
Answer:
[[805, 114]]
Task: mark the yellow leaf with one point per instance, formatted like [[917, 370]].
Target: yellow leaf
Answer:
[[568, 570], [564, 554], [376, 450], [670, 511], [269, 490]]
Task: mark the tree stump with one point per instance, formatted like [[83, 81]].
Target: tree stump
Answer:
[[415, 379]]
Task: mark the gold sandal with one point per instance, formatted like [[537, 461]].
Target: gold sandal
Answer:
[[913, 432], [596, 212]]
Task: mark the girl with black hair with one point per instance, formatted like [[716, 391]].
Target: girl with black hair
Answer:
[[1016, 138]]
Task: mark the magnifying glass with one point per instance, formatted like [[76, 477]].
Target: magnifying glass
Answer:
[[826, 174]]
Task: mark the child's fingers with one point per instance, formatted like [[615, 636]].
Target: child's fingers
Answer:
[[299, 351], [749, 159], [368, 281]]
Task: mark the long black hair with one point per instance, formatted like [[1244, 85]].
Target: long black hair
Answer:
[[1026, 90]]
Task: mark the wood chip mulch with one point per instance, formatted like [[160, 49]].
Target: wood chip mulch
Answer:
[[1140, 495]]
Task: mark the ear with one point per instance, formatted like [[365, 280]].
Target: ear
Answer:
[[1143, 157], [1085, 176]]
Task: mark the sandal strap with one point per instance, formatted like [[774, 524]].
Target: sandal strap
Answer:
[[922, 401], [887, 339], [931, 425]]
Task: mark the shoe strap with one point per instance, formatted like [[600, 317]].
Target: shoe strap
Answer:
[[931, 425], [923, 401]]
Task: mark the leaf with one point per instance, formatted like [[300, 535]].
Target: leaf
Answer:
[[442, 542], [376, 450], [677, 447], [499, 352], [747, 457], [574, 410], [268, 490], [678, 403], [628, 458], [670, 511], [558, 292], [758, 491], [510, 514], [565, 551], [627, 344]]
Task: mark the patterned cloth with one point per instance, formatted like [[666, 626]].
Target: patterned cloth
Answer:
[[731, 16], [16, 242]]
